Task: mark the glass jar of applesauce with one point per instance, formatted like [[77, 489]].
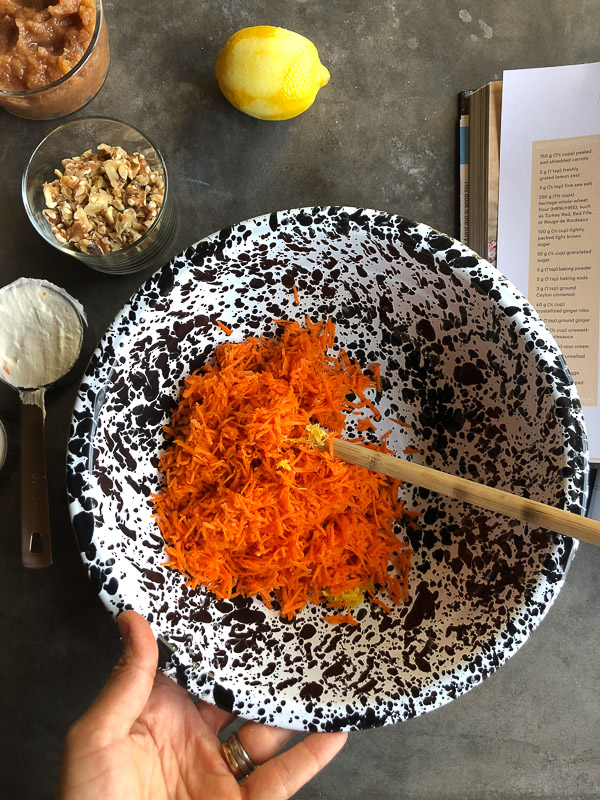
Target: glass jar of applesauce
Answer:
[[54, 57]]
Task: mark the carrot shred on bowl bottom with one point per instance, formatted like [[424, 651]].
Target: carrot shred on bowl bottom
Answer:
[[250, 508]]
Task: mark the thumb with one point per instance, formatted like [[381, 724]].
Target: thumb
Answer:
[[126, 692]]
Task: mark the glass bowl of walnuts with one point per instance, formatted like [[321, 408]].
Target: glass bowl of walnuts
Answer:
[[97, 189]]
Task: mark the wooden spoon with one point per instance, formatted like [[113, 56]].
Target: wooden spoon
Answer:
[[530, 511]]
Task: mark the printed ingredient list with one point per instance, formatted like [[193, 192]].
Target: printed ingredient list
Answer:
[[564, 287]]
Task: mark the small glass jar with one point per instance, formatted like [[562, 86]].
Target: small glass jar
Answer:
[[74, 89], [73, 139]]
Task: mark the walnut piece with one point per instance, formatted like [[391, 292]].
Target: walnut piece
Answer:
[[103, 201]]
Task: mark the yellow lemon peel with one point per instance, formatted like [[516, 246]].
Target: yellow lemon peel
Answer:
[[317, 437], [270, 73], [351, 597]]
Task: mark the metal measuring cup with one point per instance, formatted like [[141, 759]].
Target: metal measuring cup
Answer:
[[41, 334]]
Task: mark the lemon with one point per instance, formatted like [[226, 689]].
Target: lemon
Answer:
[[270, 73]]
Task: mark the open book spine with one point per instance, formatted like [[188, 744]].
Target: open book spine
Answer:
[[480, 127], [478, 170], [493, 167], [463, 177]]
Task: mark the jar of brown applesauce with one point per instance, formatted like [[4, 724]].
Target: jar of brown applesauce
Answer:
[[54, 56]]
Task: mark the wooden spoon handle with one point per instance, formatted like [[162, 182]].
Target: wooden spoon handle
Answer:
[[531, 511]]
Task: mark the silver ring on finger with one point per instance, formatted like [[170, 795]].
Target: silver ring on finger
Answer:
[[237, 759]]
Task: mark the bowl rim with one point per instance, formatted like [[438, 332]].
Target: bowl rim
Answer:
[[47, 234], [181, 667]]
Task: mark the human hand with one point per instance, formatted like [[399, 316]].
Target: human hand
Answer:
[[144, 738]]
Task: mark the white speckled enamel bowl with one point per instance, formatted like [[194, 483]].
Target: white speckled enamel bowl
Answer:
[[465, 360]]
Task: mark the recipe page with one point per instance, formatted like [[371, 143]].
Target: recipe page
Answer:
[[549, 213], [564, 240]]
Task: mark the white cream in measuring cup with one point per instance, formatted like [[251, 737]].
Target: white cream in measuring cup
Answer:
[[41, 330]]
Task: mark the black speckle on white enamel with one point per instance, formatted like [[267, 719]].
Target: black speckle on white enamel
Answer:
[[465, 360]]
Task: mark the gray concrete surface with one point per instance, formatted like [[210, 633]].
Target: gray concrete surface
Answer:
[[381, 134]]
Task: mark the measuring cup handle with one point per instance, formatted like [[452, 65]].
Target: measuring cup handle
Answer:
[[36, 548]]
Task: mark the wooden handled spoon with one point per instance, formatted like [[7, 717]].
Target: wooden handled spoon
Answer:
[[530, 511]]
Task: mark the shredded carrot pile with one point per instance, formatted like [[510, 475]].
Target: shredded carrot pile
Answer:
[[250, 507]]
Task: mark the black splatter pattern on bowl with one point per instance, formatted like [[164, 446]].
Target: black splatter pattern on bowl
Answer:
[[465, 361]]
